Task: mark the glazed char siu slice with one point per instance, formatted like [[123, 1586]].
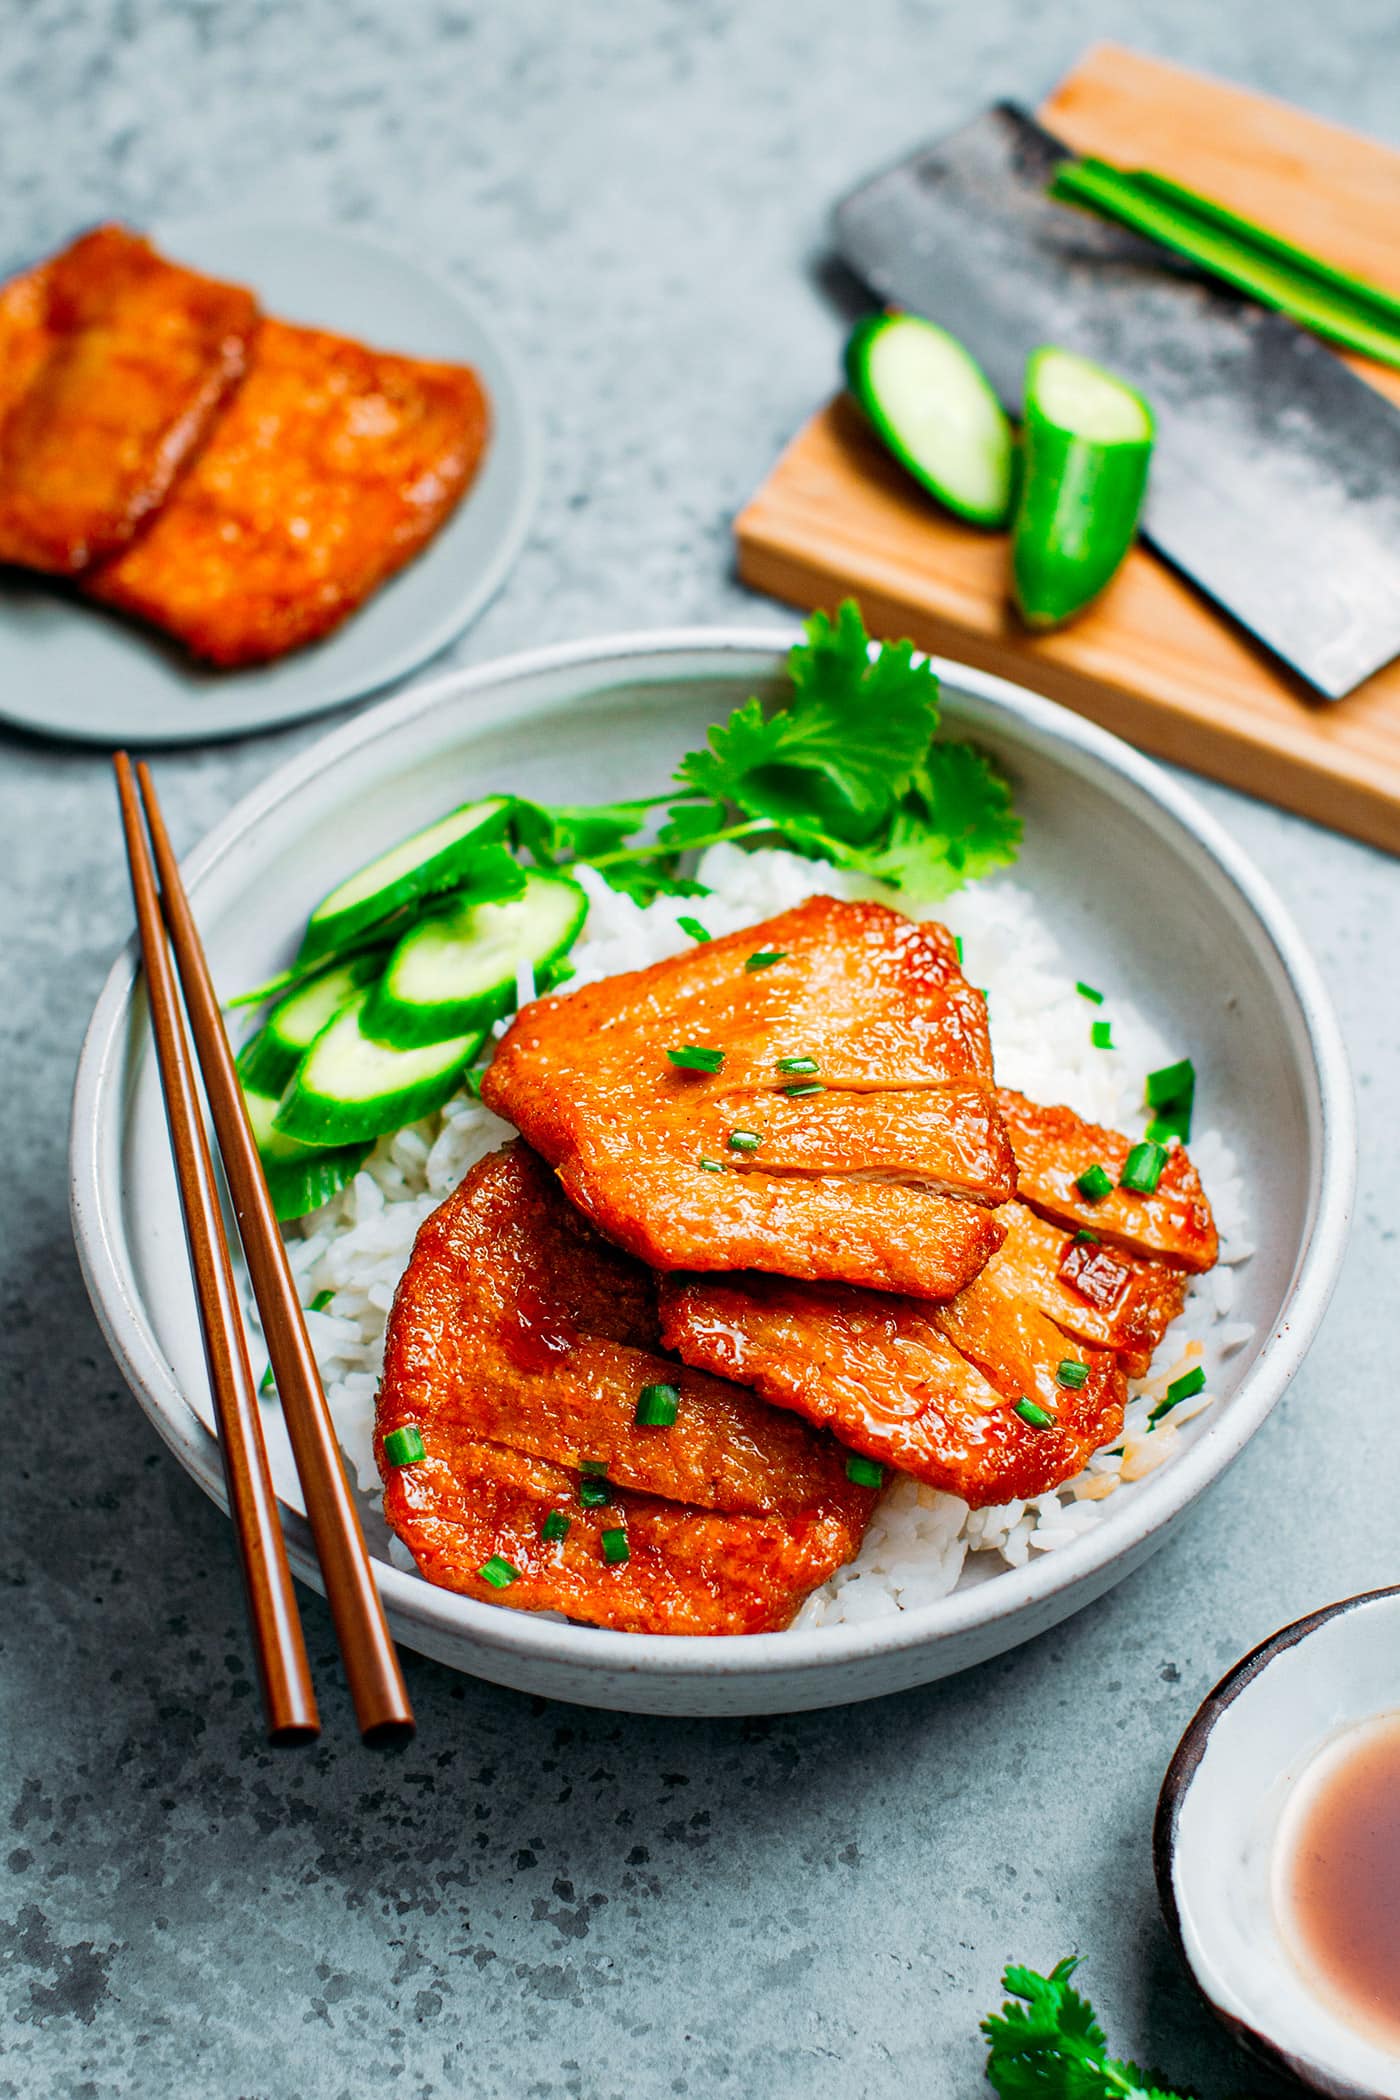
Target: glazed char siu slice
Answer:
[[1054, 1147], [688, 1570], [332, 467], [1101, 1295], [518, 1346], [124, 360], [882, 1172], [884, 1373]]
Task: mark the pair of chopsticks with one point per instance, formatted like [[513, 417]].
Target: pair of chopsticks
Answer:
[[371, 1666]]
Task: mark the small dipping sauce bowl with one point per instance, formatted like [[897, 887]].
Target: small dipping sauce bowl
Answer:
[[1277, 1844]]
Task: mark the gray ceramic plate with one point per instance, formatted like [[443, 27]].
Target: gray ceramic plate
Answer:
[[68, 669], [1149, 894]]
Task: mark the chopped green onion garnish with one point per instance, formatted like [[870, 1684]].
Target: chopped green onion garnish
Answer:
[[267, 1381], [799, 1093], [1086, 991], [1169, 1082], [1085, 1238], [1037, 1417], [559, 973], [555, 1527], [1095, 1183], [711, 1166], [472, 1081], [1184, 1388], [695, 1059], [1071, 1373], [615, 1548], [657, 1406], [499, 1573], [865, 1472], [1101, 1035], [404, 1447], [321, 1300], [1143, 1168], [596, 1467], [693, 928], [593, 1494], [764, 958], [798, 1064], [744, 1141], [957, 943], [1172, 1122]]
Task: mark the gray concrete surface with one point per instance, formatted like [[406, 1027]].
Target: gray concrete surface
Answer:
[[537, 1901]]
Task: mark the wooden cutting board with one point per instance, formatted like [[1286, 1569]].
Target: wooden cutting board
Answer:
[[1152, 661]]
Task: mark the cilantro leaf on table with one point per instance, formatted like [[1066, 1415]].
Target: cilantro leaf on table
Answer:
[[833, 761], [955, 823], [1046, 2044]]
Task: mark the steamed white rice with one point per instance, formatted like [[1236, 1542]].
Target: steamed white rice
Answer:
[[919, 1542]]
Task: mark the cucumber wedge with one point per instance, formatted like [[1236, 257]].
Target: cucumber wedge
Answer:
[[934, 408], [300, 1177], [459, 971], [438, 858], [1087, 443], [350, 1088], [267, 1062]]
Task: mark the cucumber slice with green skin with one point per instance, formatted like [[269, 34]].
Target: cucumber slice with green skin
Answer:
[[459, 971], [267, 1062], [1086, 443], [935, 410], [350, 1088], [300, 1178], [437, 858]]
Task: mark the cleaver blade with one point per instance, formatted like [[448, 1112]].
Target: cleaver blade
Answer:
[[1275, 483]]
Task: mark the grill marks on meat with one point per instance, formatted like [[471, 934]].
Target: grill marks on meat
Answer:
[[115, 362], [886, 1178], [333, 465], [1054, 1146], [928, 1389], [518, 1345]]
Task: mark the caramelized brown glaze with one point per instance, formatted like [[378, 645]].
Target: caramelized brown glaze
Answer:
[[1054, 1146], [1103, 1296], [331, 468], [885, 1177], [518, 1346], [114, 364]]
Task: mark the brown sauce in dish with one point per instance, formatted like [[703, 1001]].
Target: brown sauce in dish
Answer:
[[1340, 1879]]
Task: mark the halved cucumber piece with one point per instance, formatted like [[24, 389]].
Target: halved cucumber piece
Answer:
[[267, 1062], [934, 407], [350, 1087], [460, 970], [300, 1177], [1087, 443], [434, 859]]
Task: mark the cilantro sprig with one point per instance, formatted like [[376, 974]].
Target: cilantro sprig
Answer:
[[1046, 2044], [845, 770]]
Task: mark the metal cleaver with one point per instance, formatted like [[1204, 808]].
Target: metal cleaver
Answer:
[[1275, 484]]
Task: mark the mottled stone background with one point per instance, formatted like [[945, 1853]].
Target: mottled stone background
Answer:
[[538, 1901]]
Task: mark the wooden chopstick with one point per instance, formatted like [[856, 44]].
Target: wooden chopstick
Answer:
[[371, 1665], [289, 1703]]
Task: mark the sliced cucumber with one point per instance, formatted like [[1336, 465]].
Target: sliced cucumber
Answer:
[[269, 1060], [1087, 444], [934, 408], [460, 970], [350, 1087], [300, 1177], [438, 858]]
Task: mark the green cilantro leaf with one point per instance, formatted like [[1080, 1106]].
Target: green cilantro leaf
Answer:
[[834, 761], [643, 879], [560, 831], [1045, 2044]]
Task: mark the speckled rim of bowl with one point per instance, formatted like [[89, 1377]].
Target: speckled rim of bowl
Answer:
[[440, 1613], [1176, 1785]]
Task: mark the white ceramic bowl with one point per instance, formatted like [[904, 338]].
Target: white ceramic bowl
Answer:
[[1225, 1810], [1147, 892]]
